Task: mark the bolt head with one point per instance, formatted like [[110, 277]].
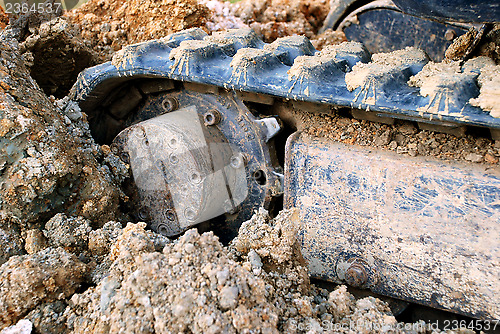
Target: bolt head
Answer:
[[212, 117], [125, 157], [238, 161], [143, 214], [170, 104], [356, 275], [170, 215], [450, 34]]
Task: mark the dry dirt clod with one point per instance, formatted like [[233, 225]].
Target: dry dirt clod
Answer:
[[48, 318], [69, 233], [109, 25], [43, 154], [29, 280], [35, 241], [278, 18], [11, 242]]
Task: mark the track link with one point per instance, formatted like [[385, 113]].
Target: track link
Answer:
[[402, 84]]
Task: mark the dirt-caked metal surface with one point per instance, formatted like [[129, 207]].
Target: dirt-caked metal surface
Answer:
[[422, 230], [195, 157], [340, 75]]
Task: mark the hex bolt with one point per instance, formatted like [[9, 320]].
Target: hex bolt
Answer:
[[143, 214], [238, 161], [450, 34], [170, 215], [114, 148], [212, 117], [170, 104], [356, 275], [125, 157], [163, 229]]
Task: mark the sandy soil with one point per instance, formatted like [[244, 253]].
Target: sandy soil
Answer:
[[109, 25]]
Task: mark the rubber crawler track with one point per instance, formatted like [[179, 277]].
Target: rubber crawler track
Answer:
[[343, 75]]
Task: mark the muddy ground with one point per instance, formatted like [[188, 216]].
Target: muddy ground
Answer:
[[71, 262]]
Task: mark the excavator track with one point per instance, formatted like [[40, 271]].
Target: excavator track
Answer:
[[376, 220], [400, 85]]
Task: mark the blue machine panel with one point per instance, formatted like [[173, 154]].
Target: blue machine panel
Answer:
[[417, 229]]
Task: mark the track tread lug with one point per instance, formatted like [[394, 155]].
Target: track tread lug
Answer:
[[233, 40], [291, 47], [397, 84], [351, 52], [248, 64], [175, 39], [191, 54], [445, 88]]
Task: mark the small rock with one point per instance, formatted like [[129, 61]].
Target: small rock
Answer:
[[11, 242], [228, 297], [254, 259], [222, 276], [22, 327], [490, 158], [393, 145], [73, 111], [473, 157], [70, 233], [384, 139], [303, 306], [407, 129], [35, 241]]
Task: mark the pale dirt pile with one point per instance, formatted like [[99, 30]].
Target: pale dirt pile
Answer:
[[278, 18], [272, 19], [144, 283], [222, 15]]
